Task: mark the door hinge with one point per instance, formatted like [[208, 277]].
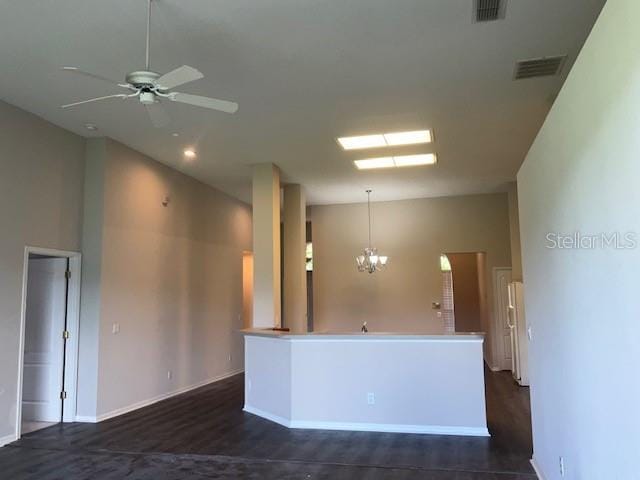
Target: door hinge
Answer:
[[67, 274], [63, 395], [65, 334]]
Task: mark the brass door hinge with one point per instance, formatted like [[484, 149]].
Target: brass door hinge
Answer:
[[67, 274], [65, 334], [63, 395]]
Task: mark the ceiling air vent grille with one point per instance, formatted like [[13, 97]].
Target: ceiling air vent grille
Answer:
[[539, 67], [488, 10]]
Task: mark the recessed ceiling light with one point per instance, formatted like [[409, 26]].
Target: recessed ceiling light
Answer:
[[408, 138], [391, 139], [365, 141], [189, 153], [369, 163], [175, 134], [400, 161], [415, 160], [91, 126]]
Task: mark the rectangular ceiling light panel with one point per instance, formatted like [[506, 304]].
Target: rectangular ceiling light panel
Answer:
[[370, 163], [364, 141], [408, 138], [415, 160], [391, 139], [393, 162]]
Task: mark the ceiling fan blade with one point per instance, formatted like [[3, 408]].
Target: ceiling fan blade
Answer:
[[90, 75], [157, 114], [179, 76], [205, 102], [120, 95]]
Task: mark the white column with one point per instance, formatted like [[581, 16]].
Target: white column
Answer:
[[266, 246], [295, 276]]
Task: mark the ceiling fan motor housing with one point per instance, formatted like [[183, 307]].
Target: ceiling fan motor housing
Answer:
[[141, 79]]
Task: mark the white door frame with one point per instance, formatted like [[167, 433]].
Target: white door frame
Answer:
[[73, 326], [498, 340]]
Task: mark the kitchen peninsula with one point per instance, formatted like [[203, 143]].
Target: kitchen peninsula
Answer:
[[384, 382]]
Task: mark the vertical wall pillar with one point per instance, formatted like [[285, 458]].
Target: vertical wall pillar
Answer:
[[295, 278], [266, 246]]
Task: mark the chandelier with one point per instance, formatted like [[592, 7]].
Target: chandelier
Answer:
[[370, 261]]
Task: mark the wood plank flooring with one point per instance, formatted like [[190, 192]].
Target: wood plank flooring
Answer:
[[205, 434]]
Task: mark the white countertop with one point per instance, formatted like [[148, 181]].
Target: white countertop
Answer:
[[315, 336]]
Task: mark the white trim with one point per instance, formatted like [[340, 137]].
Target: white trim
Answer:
[[7, 439], [269, 416], [371, 427], [497, 340], [152, 400], [537, 469], [85, 419], [73, 325], [319, 338]]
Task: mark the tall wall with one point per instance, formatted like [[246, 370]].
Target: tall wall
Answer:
[[170, 278], [41, 182], [413, 233], [581, 175]]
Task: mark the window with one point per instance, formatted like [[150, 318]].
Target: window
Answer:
[[309, 257]]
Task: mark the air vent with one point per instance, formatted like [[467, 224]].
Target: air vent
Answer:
[[489, 10], [539, 67]]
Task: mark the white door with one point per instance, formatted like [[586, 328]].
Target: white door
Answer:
[[501, 280], [44, 342]]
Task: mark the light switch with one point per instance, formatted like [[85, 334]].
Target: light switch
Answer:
[[115, 328]]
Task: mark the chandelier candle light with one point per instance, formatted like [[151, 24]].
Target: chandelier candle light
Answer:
[[370, 261]]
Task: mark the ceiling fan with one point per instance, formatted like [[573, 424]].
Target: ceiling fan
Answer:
[[150, 87]]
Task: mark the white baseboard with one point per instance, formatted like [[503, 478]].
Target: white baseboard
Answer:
[[370, 427], [537, 469], [7, 439], [392, 428], [144, 403], [269, 416], [85, 419]]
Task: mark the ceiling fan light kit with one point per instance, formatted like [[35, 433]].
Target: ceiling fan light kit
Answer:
[[150, 87]]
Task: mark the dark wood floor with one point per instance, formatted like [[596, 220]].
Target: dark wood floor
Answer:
[[205, 434]]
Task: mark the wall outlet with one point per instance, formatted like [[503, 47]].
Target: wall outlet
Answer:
[[229, 358], [371, 398], [169, 374], [115, 328], [249, 385], [562, 466]]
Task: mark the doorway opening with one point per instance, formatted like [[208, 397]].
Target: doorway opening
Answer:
[[464, 292], [247, 289], [47, 376]]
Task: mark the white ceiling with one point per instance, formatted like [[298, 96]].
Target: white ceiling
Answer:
[[304, 73]]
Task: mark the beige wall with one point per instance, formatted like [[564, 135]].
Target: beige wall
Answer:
[[466, 291], [413, 233], [41, 181], [267, 287], [514, 230], [171, 277], [294, 274]]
